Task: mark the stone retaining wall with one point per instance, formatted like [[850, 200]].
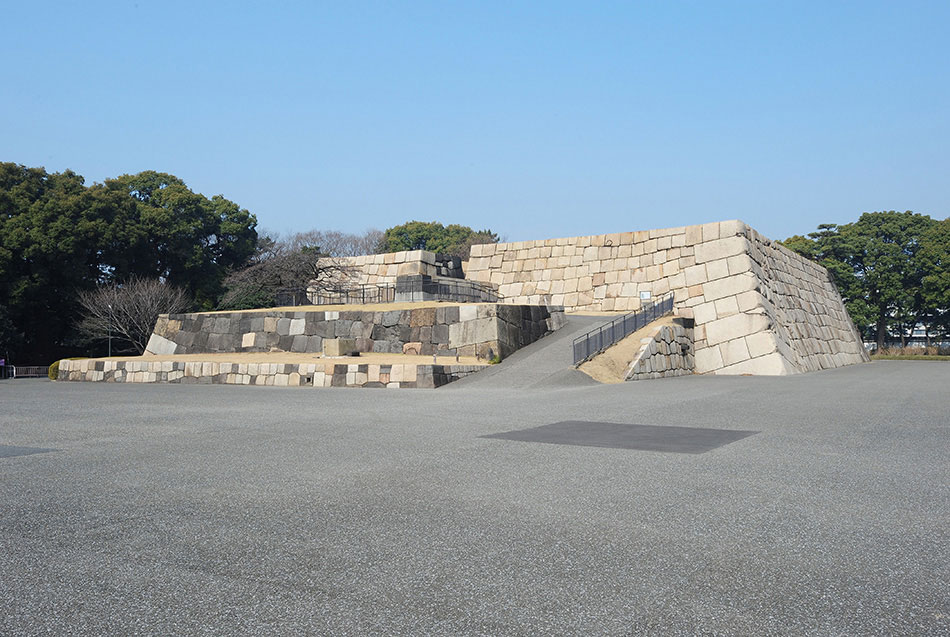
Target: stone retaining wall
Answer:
[[382, 269], [759, 307], [319, 374], [665, 353], [481, 330]]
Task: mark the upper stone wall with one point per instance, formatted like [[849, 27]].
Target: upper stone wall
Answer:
[[759, 308], [380, 269], [607, 272]]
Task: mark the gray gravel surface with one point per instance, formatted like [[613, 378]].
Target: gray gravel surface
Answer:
[[223, 510]]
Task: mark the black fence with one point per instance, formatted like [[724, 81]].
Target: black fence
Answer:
[[599, 339], [406, 289], [423, 288], [360, 294]]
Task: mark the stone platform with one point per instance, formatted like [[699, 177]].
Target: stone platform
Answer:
[[482, 330], [758, 307], [390, 371]]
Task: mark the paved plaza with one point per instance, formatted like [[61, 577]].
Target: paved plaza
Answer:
[[227, 510]]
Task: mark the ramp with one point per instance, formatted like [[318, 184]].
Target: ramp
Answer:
[[548, 362]]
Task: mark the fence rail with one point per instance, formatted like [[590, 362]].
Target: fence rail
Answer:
[[24, 371], [410, 290], [599, 339], [461, 291]]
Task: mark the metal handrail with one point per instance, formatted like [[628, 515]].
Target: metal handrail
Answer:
[[463, 291], [600, 338], [24, 371]]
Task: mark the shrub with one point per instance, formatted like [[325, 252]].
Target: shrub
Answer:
[[53, 371]]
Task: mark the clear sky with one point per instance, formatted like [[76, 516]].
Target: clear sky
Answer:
[[534, 119]]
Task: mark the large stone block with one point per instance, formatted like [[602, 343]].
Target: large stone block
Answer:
[[733, 327], [338, 346]]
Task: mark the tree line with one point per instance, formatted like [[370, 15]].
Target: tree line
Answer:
[[78, 262], [892, 269]]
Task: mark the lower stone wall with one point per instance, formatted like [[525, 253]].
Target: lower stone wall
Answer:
[[483, 330], [667, 352], [320, 374]]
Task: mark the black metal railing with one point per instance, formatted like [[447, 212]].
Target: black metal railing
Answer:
[[599, 339], [408, 289], [359, 294], [422, 288]]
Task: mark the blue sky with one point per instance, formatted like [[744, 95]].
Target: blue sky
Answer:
[[536, 120]]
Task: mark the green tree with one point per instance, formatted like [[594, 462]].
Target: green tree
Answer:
[[181, 236], [59, 238], [878, 265], [935, 282], [454, 239]]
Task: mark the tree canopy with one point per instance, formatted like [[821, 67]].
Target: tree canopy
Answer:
[[59, 237], [892, 269], [453, 239]]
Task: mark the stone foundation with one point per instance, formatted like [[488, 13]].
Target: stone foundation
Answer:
[[759, 308], [319, 374], [665, 353], [480, 330]]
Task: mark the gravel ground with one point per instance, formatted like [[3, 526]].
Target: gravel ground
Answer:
[[223, 510]]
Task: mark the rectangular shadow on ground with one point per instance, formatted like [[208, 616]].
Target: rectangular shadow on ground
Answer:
[[622, 436], [7, 451]]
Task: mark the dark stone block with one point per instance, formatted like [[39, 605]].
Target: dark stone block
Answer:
[[404, 333], [342, 328], [339, 369], [185, 339], [385, 369], [425, 333], [324, 329], [314, 344], [440, 334], [300, 343], [379, 333], [451, 315], [338, 380], [407, 384], [427, 349], [381, 347], [414, 333], [364, 344], [374, 384], [283, 326], [362, 368], [285, 343]]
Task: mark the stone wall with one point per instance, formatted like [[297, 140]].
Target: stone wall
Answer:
[[382, 269], [319, 374], [481, 330], [759, 308], [667, 352]]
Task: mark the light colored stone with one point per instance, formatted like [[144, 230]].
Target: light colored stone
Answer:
[[160, 346], [338, 346], [733, 327]]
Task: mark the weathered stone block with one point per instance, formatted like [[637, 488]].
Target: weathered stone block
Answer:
[[338, 346]]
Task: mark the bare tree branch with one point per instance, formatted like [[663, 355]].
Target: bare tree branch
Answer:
[[128, 311]]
